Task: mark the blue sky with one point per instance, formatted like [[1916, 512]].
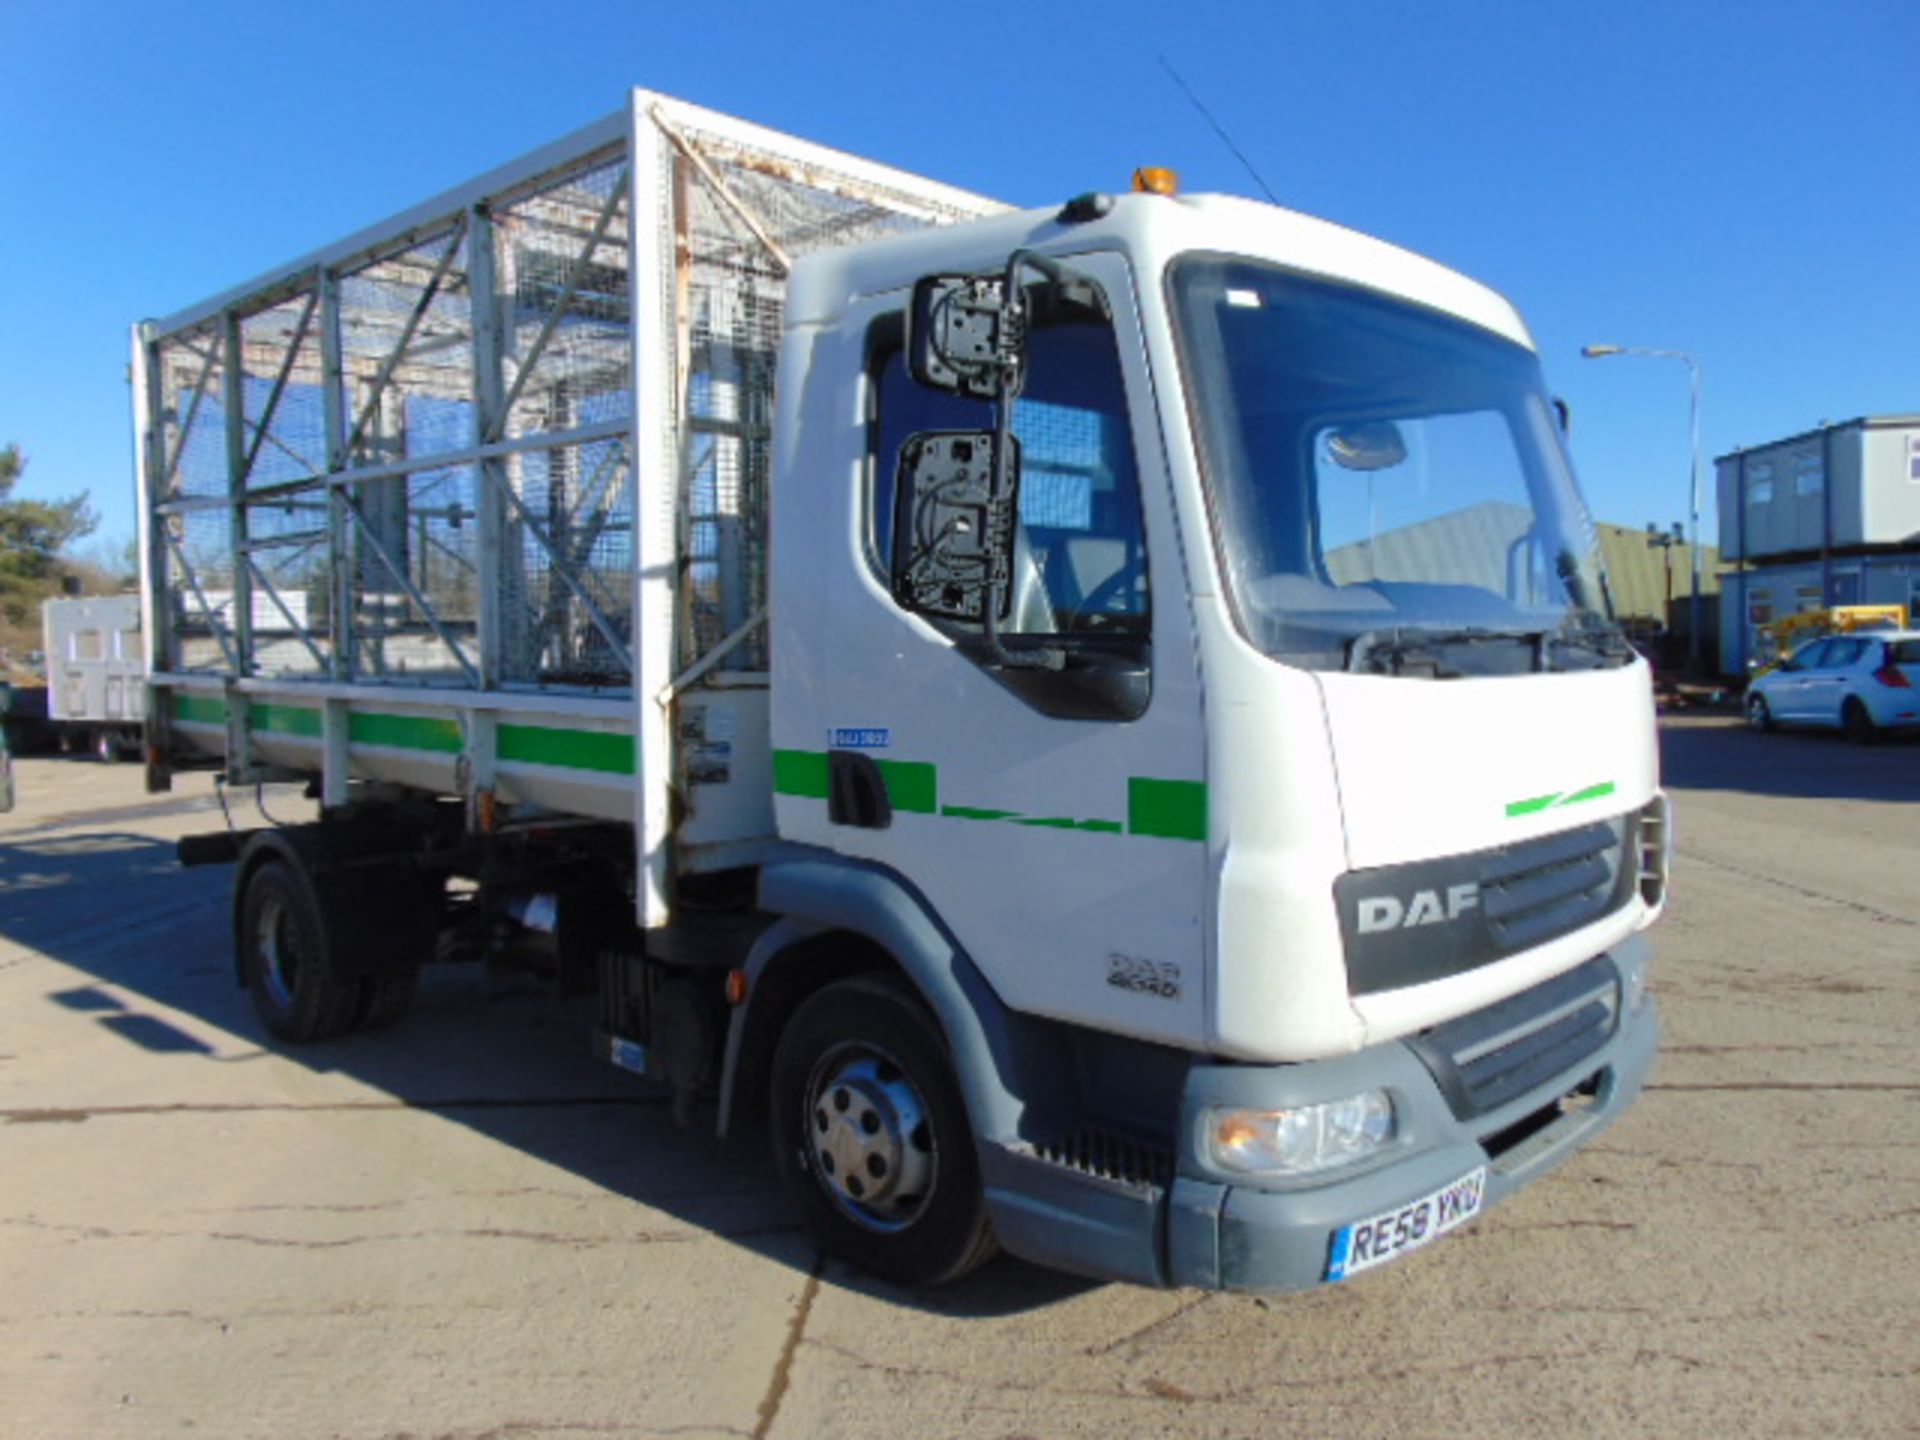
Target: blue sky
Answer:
[[1732, 179]]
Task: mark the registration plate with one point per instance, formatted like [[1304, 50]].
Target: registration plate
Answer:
[[1374, 1241]]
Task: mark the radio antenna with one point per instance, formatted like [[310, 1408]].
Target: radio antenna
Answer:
[[1218, 128]]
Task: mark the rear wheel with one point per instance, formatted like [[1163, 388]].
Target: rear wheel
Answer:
[[1759, 717], [282, 933], [871, 1137], [384, 998], [1856, 720]]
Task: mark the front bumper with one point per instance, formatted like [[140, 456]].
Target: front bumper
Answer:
[[1219, 1231]]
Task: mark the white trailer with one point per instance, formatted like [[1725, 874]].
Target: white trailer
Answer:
[[885, 646], [96, 673]]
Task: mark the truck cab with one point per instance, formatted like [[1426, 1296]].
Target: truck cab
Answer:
[[1280, 774]]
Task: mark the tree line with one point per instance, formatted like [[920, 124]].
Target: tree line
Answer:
[[34, 538]]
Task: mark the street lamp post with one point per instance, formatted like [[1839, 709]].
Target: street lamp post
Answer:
[[1596, 352]]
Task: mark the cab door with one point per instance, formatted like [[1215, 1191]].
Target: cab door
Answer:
[[1053, 812]]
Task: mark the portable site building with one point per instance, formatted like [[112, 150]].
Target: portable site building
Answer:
[[1828, 517]]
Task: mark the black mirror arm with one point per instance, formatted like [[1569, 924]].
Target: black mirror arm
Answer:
[[1004, 501], [1013, 377]]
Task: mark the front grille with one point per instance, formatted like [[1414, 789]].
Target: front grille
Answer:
[[1551, 886], [1415, 923], [1109, 1155], [1656, 823], [1494, 1056]]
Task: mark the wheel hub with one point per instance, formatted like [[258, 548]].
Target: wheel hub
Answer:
[[871, 1143], [278, 970]]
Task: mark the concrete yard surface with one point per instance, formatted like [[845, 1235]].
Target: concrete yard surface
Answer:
[[468, 1227]]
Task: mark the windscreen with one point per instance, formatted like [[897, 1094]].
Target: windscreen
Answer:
[[1388, 485]]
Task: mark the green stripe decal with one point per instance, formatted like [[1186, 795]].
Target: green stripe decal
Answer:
[[406, 732], [1171, 809], [199, 709], [912, 785], [596, 750], [284, 719], [800, 772], [1592, 792], [608, 753], [1559, 800]]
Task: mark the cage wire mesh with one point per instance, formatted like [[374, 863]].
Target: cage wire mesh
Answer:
[[283, 446], [201, 588], [192, 423], [289, 576], [415, 616], [390, 509], [407, 395], [732, 294], [285, 423], [193, 415], [562, 254], [570, 558], [406, 350]]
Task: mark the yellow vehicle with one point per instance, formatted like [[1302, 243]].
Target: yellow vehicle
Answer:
[[1780, 638]]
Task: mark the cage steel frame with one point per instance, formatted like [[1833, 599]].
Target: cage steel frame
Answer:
[[421, 469]]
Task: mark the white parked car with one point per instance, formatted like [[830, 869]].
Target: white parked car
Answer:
[[1863, 683]]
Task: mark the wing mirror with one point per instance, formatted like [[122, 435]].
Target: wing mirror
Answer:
[[953, 534], [964, 338]]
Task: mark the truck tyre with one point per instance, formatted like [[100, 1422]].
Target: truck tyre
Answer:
[[283, 943], [386, 997], [871, 1137]]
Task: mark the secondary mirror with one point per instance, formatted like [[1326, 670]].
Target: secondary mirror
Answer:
[[961, 336], [1375, 445], [953, 540]]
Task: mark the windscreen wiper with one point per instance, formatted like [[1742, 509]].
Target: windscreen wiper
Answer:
[[1407, 652], [1604, 642]]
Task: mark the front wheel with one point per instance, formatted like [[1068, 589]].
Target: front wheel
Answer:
[[1759, 717], [871, 1137]]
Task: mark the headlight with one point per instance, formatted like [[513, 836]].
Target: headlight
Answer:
[[1304, 1139]]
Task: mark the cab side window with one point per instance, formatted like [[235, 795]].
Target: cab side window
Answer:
[[1080, 564]]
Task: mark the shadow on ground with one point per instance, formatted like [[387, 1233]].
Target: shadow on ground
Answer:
[[1723, 754], [508, 1059]]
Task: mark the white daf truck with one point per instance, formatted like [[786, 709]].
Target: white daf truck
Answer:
[[1102, 725]]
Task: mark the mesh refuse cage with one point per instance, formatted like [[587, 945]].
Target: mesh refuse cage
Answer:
[[514, 441]]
